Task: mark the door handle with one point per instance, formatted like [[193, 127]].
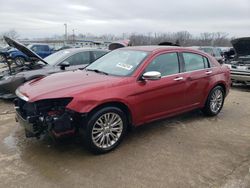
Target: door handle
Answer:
[[178, 79], [209, 72]]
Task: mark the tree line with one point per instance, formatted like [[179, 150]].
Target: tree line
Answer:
[[183, 38]]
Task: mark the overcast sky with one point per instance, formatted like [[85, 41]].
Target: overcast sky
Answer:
[[45, 18]]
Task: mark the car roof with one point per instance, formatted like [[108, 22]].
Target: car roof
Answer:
[[73, 50], [211, 47], [40, 44], [160, 48], [151, 48]]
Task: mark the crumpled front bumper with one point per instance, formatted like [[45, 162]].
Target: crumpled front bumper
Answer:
[[24, 123], [9, 86]]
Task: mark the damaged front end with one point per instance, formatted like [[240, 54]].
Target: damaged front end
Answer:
[[48, 116], [240, 70]]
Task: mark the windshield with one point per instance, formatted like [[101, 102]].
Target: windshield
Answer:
[[55, 57], [119, 62]]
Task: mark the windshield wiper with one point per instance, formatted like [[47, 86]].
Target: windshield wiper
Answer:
[[97, 71]]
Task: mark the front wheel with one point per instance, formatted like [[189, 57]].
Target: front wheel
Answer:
[[2, 58], [214, 101], [106, 129], [19, 61]]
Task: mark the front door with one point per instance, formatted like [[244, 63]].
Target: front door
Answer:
[[161, 97]]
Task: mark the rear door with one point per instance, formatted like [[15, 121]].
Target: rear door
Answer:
[[198, 76]]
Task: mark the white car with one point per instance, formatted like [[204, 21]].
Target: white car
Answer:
[[240, 66]]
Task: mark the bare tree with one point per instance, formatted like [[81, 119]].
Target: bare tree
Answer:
[[11, 33]]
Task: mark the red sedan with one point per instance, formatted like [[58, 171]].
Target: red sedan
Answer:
[[127, 87]]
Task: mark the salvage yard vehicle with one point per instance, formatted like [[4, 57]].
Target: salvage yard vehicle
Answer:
[[213, 51], [69, 59], [19, 58], [127, 87], [3, 54], [240, 65]]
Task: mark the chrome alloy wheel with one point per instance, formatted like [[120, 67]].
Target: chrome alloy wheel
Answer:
[[107, 130], [216, 101]]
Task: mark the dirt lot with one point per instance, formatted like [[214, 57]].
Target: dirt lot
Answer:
[[186, 151]]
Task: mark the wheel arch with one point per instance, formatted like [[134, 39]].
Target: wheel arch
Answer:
[[117, 104], [20, 55], [223, 85]]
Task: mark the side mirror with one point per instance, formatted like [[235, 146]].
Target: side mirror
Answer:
[[64, 64], [151, 75]]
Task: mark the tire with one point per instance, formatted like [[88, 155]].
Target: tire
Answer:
[[19, 61], [215, 101], [2, 58], [102, 137]]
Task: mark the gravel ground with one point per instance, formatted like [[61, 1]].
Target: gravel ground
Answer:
[[190, 150]]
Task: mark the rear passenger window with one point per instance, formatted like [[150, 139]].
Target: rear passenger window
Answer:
[[195, 62], [166, 64]]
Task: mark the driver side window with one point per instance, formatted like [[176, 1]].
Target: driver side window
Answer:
[[166, 64]]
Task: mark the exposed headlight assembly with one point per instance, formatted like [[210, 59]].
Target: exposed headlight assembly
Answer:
[[21, 96]]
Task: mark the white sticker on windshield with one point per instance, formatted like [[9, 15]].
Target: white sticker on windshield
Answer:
[[124, 66]]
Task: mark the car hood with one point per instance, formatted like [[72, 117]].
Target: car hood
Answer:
[[23, 49], [43, 71], [242, 46], [65, 84]]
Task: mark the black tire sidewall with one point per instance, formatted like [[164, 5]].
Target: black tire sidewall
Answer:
[[17, 59], [4, 57], [207, 108], [90, 123]]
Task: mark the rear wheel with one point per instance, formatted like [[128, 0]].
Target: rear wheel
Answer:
[[19, 61], [214, 101], [106, 129]]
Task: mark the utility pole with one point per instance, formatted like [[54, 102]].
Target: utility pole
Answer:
[[73, 30], [73, 36], [66, 33]]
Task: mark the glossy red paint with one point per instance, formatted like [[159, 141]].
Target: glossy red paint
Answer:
[[146, 100]]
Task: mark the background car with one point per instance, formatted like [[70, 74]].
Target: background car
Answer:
[[126, 87], [63, 60], [240, 64], [19, 58], [64, 47], [4, 54], [213, 51]]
